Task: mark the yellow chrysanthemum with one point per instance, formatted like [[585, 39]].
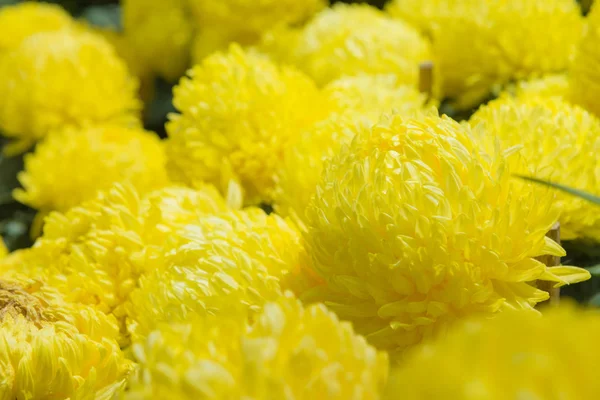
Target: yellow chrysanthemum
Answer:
[[95, 252], [359, 100], [547, 86], [238, 111], [64, 78], [3, 248], [53, 349], [356, 39], [560, 142], [22, 20], [411, 229], [584, 73], [160, 32], [288, 352], [517, 355], [71, 166], [480, 45], [227, 264]]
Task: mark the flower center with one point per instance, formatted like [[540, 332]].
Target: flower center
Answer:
[[15, 300]]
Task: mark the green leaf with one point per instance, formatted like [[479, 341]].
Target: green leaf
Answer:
[[575, 192], [104, 16], [594, 270]]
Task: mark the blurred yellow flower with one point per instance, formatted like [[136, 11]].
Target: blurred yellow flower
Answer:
[[359, 39], [482, 45], [238, 112], [517, 355], [560, 143], [412, 229], [227, 264], [287, 352], [547, 86], [22, 20], [53, 349], [72, 165], [95, 252], [160, 32], [584, 73], [65, 78]]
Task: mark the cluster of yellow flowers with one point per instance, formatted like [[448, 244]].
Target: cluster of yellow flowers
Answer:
[[312, 227]]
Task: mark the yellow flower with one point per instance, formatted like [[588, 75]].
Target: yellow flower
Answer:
[[226, 264], [3, 249], [480, 45], [547, 86], [560, 142], [160, 33], [288, 352], [22, 20], [64, 78], [95, 253], [411, 229], [71, 166], [238, 111], [517, 355], [53, 349], [585, 77], [356, 39], [359, 101]]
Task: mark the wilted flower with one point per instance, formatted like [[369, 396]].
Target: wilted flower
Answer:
[[71, 166], [584, 73], [517, 355], [65, 78], [560, 143], [238, 112], [53, 349], [480, 45], [359, 39], [160, 33], [411, 229], [288, 352], [22, 20]]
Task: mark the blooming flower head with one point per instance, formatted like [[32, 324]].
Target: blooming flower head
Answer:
[[71, 166], [22, 20], [560, 143], [95, 252], [359, 101], [238, 111], [160, 33], [288, 352], [227, 264], [412, 229], [355, 39], [517, 355], [63, 78], [585, 77], [53, 349], [556, 85], [506, 40]]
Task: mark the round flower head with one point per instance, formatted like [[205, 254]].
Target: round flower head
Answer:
[[227, 264], [585, 77], [411, 229], [25, 19], [287, 352], [355, 39], [95, 252], [64, 78], [506, 40], [53, 349], [238, 112], [71, 166], [547, 86], [559, 143], [517, 355], [160, 33], [359, 100]]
